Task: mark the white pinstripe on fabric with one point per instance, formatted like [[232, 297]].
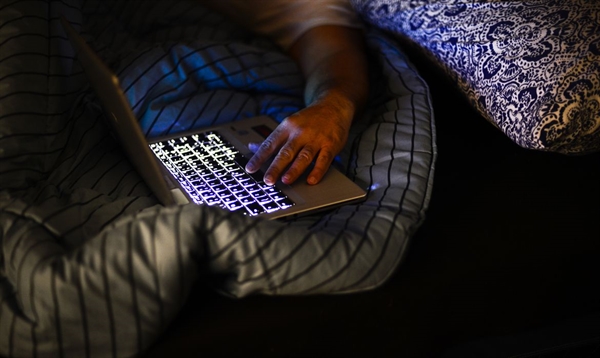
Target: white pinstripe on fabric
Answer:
[[91, 266]]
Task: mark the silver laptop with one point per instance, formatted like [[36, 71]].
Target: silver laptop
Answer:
[[206, 166]]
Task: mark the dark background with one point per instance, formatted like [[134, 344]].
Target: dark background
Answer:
[[506, 263]]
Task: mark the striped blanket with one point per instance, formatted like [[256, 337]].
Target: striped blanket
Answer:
[[90, 264]]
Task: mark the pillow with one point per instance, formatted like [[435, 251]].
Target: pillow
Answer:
[[531, 68]]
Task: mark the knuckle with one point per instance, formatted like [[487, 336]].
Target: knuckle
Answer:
[[268, 144], [286, 153], [325, 156], [305, 156]]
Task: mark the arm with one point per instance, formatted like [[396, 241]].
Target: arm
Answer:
[[332, 60]]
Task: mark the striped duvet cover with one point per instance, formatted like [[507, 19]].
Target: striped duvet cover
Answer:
[[91, 265]]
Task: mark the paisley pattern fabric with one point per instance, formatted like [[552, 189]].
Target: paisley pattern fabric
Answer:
[[531, 67]]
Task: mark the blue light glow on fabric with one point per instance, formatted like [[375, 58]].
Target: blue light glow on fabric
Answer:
[[181, 88]]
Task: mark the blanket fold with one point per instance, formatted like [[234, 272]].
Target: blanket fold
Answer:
[[90, 264]]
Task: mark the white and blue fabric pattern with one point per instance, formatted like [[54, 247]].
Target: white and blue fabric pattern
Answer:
[[532, 68]]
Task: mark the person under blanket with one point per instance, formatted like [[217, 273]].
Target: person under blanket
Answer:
[[325, 39], [94, 265]]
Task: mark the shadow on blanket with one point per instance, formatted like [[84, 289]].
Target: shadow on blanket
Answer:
[[90, 264]]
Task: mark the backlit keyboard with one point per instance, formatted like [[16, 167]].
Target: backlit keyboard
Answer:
[[212, 172]]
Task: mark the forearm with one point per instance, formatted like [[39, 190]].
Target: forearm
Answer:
[[333, 61], [334, 64], [332, 58]]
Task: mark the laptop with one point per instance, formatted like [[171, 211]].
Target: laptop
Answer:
[[206, 166]]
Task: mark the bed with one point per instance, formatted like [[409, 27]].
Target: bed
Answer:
[[91, 264]]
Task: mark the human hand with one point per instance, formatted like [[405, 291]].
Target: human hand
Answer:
[[318, 132]]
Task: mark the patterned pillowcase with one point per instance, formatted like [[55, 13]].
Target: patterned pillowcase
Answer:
[[532, 67]]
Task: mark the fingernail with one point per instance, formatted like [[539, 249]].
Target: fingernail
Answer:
[[312, 180], [269, 180]]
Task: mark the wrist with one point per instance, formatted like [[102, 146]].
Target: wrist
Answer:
[[346, 103], [339, 102]]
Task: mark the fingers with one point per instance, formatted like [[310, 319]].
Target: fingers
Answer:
[[322, 164], [299, 164], [312, 135], [266, 149], [288, 154], [302, 161], [280, 162]]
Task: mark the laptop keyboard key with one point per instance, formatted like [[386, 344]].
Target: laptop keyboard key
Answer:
[[212, 171], [255, 209]]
